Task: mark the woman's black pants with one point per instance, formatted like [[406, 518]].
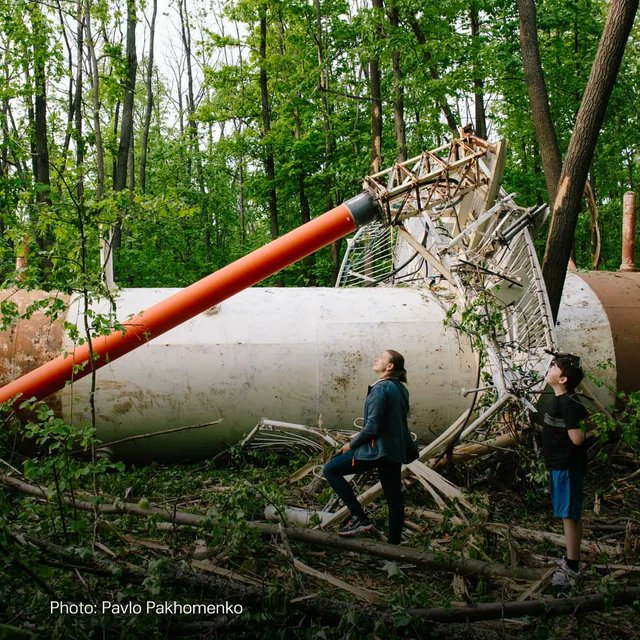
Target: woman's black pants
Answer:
[[389, 473]]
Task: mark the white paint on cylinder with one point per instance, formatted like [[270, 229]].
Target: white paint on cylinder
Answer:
[[288, 354], [301, 356]]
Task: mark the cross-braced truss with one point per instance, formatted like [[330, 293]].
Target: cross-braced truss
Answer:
[[448, 227]]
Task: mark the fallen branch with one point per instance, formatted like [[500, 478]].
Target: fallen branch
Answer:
[[362, 594], [586, 547], [151, 434], [437, 562], [550, 607], [330, 612]]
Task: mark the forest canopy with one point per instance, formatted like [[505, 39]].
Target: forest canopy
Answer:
[[184, 134]]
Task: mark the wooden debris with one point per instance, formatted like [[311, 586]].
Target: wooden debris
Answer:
[[360, 593], [546, 607], [209, 567], [538, 585], [587, 547], [438, 562]]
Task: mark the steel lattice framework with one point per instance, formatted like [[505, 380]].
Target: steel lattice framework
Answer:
[[449, 228]]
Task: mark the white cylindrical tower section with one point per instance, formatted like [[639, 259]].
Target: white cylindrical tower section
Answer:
[[294, 355]]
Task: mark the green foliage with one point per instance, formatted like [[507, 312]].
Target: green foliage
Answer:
[[206, 205], [623, 426]]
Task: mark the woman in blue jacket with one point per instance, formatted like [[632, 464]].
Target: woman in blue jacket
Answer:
[[382, 444]]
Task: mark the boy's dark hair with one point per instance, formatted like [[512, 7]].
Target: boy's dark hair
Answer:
[[571, 369]]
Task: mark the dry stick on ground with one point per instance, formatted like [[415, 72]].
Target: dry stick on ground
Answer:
[[151, 434], [325, 610], [551, 607], [330, 612], [587, 547], [438, 562]]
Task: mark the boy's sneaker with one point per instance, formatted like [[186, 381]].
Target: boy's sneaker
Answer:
[[354, 525], [565, 576]]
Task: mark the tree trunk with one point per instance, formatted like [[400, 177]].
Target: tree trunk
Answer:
[[131, 169], [70, 93], [305, 209], [538, 97], [602, 78], [326, 129], [185, 30], [241, 205], [77, 107], [398, 91], [185, 34], [149, 107], [126, 129], [376, 98], [478, 84], [95, 102], [42, 177], [21, 165], [266, 130]]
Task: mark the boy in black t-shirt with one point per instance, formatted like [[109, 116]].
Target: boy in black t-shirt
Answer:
[[565, 457]]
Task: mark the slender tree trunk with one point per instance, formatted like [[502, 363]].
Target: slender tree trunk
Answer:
[[77, 107], [4, 123], [131, 169], [538, 97], [185, 31], [326, 129], [149, 107], [116, 128], [185, 34], [126, 129], [31, 119], [43, 194], [398, 91], [21, 165], [305, 209], [241, 207], [602, 78], [478, 84], [70, 93], [266, 130], [376, 99], [95, 102]]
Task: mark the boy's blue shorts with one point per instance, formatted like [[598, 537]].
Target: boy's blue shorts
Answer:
[[566, 492]]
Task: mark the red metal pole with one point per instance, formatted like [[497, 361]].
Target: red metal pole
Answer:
[[195, 299]]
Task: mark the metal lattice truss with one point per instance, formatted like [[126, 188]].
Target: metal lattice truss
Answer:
[[449, 228]]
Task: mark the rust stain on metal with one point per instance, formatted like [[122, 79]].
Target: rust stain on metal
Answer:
[[343, 381], [30, 342], [619, 293], [628, 232]]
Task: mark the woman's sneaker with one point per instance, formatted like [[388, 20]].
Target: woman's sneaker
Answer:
[[565, 576], [354, 525]]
